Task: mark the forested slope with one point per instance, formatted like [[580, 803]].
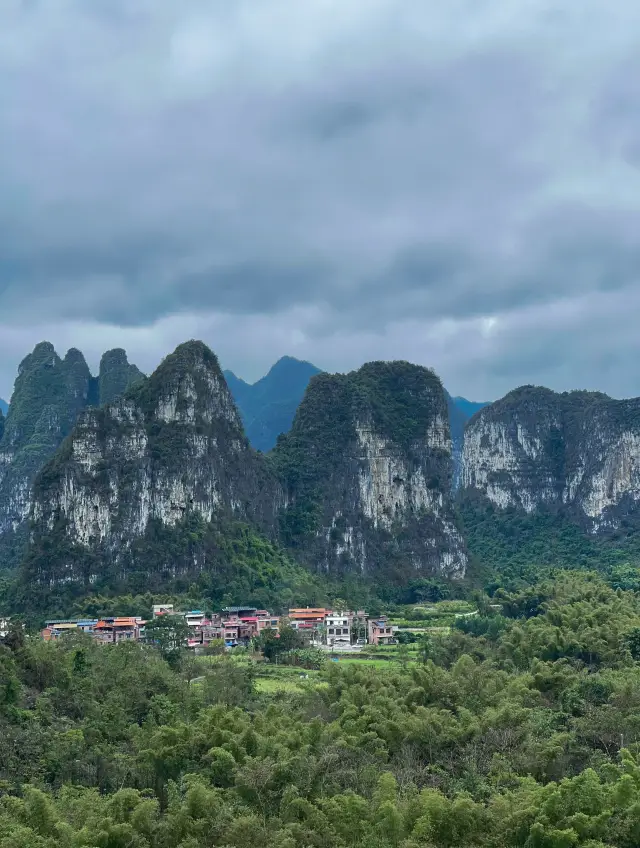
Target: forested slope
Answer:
[[519, 729]]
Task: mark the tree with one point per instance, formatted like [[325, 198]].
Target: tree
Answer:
[[169, 633], [273, 644]]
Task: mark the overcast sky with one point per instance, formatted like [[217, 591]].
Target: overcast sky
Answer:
[[454, 183]]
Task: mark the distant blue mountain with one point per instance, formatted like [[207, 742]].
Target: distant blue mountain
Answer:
[[469, 407], [4, 406], [267, 408]]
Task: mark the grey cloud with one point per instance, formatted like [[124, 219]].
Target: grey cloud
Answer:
[[323, 179]]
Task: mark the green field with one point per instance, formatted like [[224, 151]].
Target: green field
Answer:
[[275, 685]]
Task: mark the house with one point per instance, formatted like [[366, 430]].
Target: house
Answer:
[[380, 631], [195, 618], [55, 628], [308, 620], [238, 612], [337, 628], [163, 609], [110, 631]]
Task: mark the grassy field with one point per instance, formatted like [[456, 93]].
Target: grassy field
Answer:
[[273, 685]]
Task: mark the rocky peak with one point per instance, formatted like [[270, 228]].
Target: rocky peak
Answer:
[[48, 396], [367, 470], [189, 386], [116, 375], [171, 449]]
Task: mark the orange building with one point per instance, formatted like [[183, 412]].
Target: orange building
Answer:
[[307, 619]]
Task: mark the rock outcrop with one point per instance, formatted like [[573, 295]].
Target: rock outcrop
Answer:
[[576, 451], [367, 472], [170, 450], [48, 396]]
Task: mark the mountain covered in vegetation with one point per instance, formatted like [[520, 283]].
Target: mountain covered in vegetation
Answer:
[[268, 406], [132, 490], [367, 471], [147, 490], [575, 452], [48, 396]]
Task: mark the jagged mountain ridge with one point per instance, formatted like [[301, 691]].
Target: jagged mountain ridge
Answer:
[[48, 396], [268, 406], [171, 449], [367, 471], [172, 452], [578, 452]]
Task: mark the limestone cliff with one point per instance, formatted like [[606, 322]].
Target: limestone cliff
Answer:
[[576, 451], [169, 451], [367, 472], [48, 395]]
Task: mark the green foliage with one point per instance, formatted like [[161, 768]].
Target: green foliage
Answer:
[[117, 375], [204, 564], [319, 459], [274, 644], [48, 396], [512, 548], [169, 634], [515, 730]]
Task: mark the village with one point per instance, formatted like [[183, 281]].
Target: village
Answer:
[[237, 626]]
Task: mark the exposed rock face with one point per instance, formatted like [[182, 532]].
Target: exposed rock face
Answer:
[[367, 470], [576, 451], [48, 396], [171, 448], [460, 411]]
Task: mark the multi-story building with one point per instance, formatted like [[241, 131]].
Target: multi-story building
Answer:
[[195, 618], [55, 628], [238, 612], [308, 620], [162, 609], [380, 631], [120, 629], [238, 625], [337, 628]]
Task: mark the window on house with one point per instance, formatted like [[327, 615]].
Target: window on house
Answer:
[[331, 630]]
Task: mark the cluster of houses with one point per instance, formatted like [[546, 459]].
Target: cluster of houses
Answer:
[[238, 626]]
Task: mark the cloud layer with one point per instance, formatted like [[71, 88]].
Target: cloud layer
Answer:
[[452, 183]]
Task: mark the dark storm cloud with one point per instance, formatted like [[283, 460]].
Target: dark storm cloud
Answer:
[[454, 183]]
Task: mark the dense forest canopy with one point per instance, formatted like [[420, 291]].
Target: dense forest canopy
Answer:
[[519, 728]]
